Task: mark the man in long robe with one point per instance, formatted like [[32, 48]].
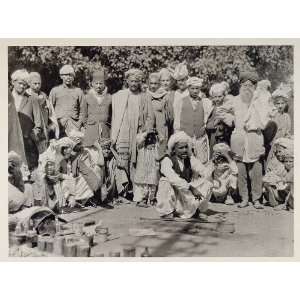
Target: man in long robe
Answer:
[[131, 113]]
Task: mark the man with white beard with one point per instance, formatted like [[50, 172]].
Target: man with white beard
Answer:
[[247, 141]]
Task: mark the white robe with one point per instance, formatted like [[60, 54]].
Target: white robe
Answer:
[[174, 195]]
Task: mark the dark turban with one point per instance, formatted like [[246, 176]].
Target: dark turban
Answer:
[[251, 76]]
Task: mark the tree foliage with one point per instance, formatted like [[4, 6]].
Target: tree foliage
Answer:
[[212, 63]]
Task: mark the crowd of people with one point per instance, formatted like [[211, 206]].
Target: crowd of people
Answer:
[[174, 149]]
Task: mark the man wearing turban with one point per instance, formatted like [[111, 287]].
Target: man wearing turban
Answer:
[[131, 113], [247, 141], [180, 75], [68, 102], [192, 116], [183, 188], [98, 101], [279, 179]]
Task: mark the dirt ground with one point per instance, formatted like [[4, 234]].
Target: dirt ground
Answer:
[[263, 232]]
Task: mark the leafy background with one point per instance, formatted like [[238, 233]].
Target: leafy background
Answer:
[[211, 63]]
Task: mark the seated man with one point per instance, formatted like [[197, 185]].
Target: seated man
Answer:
[[183, 189], [16, 189], [279, 180], [223, 170], [81, 167]]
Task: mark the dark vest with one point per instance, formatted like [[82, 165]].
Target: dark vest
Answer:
[[192, 121], [187, 172]]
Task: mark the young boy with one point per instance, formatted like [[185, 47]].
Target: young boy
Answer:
[[193, 112], [217, 130], [223, 170]]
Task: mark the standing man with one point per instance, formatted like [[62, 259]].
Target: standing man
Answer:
[[192, 116], [247, 141], [98, 110], [30, 117], [181, 76], [50, 123], [131, 113], [68, 102]]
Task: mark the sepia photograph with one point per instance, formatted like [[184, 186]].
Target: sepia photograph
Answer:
[[151, 151]]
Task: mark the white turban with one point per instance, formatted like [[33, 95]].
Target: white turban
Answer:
[[179, 137], [67, 69], [14, 157], [33, 75], [264, 84], [180, 72], [195, 81], [76, 136], [65, 142], [218, 88], [222, 148], [283, 91], [287, 144], [134, 73], [20, 75], [163, 73]]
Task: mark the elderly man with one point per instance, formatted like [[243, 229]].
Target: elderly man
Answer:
[[183, 189], [98, 110], [247, 141], [68, 102], [131, 113], [192, 116], [30, 117]]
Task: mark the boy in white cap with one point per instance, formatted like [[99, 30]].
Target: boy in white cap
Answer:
[[183, 188], [192, 117], [68, 102]]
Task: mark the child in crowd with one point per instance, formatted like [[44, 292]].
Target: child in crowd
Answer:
[[223, 171], [146, 176], [218, 131], [278, 181], [115, 182]]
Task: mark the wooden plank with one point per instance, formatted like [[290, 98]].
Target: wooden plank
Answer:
[[80, 215]]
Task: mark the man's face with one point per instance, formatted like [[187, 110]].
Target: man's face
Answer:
[[98, 86], [35, 84], [67, 79], [181, 83], [106, 151], [218, 98], [19, 86], [246, 91], [194, 91], [133, 84], [66, 152], [165, 82], [50, 168], [279, 152], [182, 150], [153, 84], [280, 105], [288, 163]]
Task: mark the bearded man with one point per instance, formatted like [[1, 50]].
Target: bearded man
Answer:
[[247, 141]]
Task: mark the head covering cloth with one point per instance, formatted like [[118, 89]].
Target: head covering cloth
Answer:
[[194, 81], [180, 72], [179, 137]]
